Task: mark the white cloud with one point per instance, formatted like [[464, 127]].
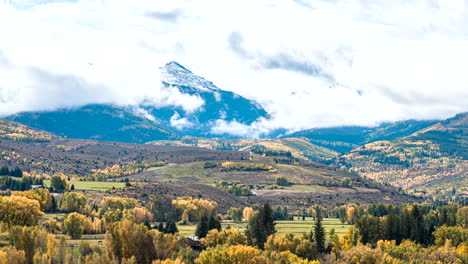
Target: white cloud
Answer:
[[143, 113], [309, 63], [172, 96], [180, 123], [237, 129]]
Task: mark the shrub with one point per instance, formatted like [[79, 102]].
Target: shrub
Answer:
[[282, 181]]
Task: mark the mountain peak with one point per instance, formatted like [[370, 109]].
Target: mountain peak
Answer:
[[173, 73], [174, 65]]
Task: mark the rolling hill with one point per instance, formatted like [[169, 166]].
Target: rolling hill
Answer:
[[98, 122], [180, 169], [346, 138], [434, 158], [19, 132], [39, 152], [298, 147]]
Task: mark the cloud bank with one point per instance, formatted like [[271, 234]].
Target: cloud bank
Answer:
[[309, 63]]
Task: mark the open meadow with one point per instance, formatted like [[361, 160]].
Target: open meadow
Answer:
[[92, 185], [297, 227]]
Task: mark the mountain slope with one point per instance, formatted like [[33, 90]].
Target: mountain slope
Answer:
[[299, 148], [434, 158], [217, 105], [19, 132], [37, 152], [184, 171], [211, 109], [99, 122], [346, 138]]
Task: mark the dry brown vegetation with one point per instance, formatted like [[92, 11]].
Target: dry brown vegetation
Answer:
[[81, 157]]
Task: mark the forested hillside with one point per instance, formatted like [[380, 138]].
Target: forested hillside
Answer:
[[346, 138], [435, 158]]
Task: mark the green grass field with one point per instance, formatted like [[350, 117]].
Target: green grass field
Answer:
[[296, 227], [54, 215], [192, 172], [92, 186], [312, 188]]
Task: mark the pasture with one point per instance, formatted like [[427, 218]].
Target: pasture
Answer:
[[297, 227], [92, 185]]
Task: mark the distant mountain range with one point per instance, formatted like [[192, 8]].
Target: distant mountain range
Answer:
[[412, 154], [433, 159], [150, 121], [346, 138]]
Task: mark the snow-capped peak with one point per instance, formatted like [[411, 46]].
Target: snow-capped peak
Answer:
[[175, 74]]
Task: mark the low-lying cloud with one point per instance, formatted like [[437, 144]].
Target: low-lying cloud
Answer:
[[309, 63]]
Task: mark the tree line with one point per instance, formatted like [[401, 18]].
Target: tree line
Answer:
[[147, 232]]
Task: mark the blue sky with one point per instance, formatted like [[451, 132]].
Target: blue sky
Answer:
[[309, 63]]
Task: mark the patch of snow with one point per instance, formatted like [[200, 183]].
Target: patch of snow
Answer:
[[175, 74]]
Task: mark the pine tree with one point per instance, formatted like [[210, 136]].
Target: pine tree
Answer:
[[4, 171], [161, 227], [147, 224], [319, 234], [16, 173], [268, 219], [54, 205], [171, 227], [261, 225], [417, 224], [342, 213], [214, 223], [202, 228]]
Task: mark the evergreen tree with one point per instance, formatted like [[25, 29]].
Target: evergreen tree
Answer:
[[261, 225], [147, 224], [16, 173], [392, 228], [268, 219], [171, 227], [4, 171], [54, 205], [285, 213], [417, 225], [342, 213], [319, 234], [202, 228], [161, 227], [214, 223]]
